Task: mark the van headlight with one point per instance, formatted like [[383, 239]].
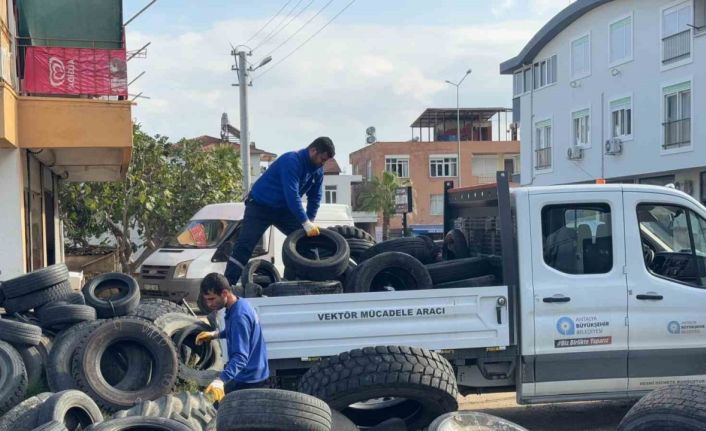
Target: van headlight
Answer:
[[182, 268]]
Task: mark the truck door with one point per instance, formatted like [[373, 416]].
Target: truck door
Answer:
[[666, 249], [580, 294]]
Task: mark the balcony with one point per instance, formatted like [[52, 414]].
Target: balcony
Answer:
[[676, 47], [543, 158], [677, 133]]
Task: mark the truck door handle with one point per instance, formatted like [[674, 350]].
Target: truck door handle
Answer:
[[557, 299], [650, 297]]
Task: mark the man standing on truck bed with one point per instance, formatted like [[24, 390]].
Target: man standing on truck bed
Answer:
[[247, 366], [276, 200]]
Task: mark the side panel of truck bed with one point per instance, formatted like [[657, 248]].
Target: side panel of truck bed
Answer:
[[324, 325]]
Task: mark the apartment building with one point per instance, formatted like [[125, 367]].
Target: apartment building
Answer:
[[65, 117], [487, 146], [611, 89]]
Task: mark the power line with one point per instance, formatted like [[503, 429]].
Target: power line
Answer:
[[269, 21], [287, 24], [270, 35], [284, 42], [309, 38]]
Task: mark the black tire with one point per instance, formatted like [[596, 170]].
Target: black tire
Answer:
[[459, 269], [359, 247], [392, 424], [35, 281], [38, 298], [678, 407], [153, 308], [191, 409], [75, 298], [455, 245], [19, 333], [483, 280], [139, 423], [112, 294], [34, 365], [259, 267], [53, 315], [352, 232], [296, 288], [13, 377], [197, 364], [341, 422], [349, 272], [273, 410], [320, 258], [59, 375], [289, 274], [72, 408], [420, 383], [51, 426], [388, 271], [164, 363], [23, 417], [416, 247]]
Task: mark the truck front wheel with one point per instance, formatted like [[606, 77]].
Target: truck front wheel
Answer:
[[681, 407]]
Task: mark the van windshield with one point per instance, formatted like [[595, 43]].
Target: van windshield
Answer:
[[201, 234]]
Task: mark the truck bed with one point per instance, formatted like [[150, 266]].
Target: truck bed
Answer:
[[298, 327]]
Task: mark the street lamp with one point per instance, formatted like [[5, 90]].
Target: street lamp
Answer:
[[458, 122]]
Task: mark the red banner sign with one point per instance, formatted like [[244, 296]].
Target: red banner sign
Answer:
[[87, 71]]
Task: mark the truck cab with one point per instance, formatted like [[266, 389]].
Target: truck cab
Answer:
[[203, 246]]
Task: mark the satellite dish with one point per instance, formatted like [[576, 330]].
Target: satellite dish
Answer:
[[370, 130], [370, 139], [370, 135], [224, 126]]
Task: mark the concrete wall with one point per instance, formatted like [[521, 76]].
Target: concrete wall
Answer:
[[642, 78], [343, 187], [12, 251]]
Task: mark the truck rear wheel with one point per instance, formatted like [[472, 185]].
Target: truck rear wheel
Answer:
[[679, 407], [373, 384]]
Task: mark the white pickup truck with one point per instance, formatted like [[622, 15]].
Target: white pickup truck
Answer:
[[602, 295]]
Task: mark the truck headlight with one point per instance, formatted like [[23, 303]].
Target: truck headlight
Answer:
[[182, 268]]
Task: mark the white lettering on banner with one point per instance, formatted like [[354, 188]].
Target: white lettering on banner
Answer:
[[71, 74], [57, 72], [378, 314]]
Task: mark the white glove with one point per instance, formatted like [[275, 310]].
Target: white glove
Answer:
[[311, 229]]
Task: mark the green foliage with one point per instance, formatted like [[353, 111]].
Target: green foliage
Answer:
[[164, 186], [379, 196]]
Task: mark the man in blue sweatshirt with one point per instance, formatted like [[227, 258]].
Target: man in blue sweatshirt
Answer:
[[276, 200], [247, 354]]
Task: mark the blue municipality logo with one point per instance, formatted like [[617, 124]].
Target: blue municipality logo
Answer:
[[566, 326], [674, 327]]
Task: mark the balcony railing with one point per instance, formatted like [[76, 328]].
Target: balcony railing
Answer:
[[677, 133], [676, 47], [543, 158]]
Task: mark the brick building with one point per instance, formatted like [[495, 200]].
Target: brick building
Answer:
[[488, 145]]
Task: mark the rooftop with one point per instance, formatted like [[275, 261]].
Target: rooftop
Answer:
[[431, 117], [207, 141]]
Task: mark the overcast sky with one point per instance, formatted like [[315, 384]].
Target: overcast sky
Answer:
[[380, 63]]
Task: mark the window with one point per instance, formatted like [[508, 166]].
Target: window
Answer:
[[369, 170], [581, 57], [677, 116], [398, 165], [485, 168], [577, 239], [702, 178], [673, 243], [331, 192], [676, 33], [543, 145], [517, 86], [545, 72], [443, 166], [528, 79], [437, 205], [621, 41], [582, 128], [700, 15], [621, 118]]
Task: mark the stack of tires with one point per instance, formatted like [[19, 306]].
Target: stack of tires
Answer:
[[104, 341]]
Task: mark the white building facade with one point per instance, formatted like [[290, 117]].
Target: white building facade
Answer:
[[613, 90]]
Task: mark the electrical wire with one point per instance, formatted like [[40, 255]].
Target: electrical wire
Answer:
[[287, 24], [309, 38], [277, 28], [269, 21]]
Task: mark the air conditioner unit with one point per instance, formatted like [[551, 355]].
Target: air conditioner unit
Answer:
[[574, 153], [614, 146]]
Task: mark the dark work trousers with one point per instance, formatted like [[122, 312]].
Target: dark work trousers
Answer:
[[256, 220], [233, 386]]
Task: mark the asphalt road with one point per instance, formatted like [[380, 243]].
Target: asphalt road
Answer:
[[586, 416]]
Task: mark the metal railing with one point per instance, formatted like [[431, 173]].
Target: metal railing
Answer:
[[676, 47], [677, 133], [543, 158]]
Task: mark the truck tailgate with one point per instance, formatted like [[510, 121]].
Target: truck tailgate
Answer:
[[324, 325]]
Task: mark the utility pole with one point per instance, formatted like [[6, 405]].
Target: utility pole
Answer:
[[459, 165]]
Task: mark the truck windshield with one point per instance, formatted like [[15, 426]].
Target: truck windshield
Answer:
[[201, 234]]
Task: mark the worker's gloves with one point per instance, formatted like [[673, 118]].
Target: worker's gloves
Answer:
[[205, 337], [216, 390], [311, 229]]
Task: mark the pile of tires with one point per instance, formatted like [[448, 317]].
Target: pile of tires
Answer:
[[105, 341]]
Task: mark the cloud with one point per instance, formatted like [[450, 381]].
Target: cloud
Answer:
[[347, 78]]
